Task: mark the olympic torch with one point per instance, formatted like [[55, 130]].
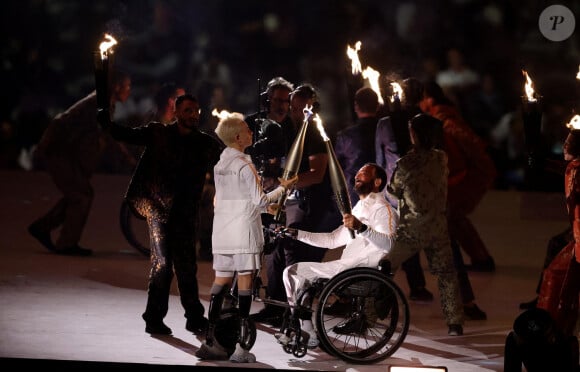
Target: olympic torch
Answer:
[[337, 179], [294, 158], [101, 61]]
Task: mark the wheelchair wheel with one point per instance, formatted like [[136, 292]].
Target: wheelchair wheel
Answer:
[[372, 321], [227, 330], [134, 229]]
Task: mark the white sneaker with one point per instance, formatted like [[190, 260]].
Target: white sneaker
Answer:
[[242, 355], [312, 342], [310, 336]]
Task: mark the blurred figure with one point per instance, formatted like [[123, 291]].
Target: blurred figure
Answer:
[[273, 131], [560, 285], [355, 145], [70, 150], [392, 141], [165, 190], [165, 103], [471, 174], [536, 344], [459, 80]]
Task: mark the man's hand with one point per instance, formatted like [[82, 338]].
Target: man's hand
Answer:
[[351, 222], [287, 232]]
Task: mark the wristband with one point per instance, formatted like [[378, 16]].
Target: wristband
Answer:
[[362, 228]]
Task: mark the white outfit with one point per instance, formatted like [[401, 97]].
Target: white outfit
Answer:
[[239, 202], [365, 250]]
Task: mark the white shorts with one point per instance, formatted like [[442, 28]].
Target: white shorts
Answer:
[[236, 262]]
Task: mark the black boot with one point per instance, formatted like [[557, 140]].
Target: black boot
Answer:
[[211, 349]]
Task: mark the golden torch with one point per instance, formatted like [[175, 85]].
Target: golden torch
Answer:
[[337, 179], [294, 158], [101, 61]]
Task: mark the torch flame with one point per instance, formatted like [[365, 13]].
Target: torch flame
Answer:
[[397, 91], [352, 53], [106, 45], [320, 127], [372, 76], [574, 122], [223, 114], [578, 75], [529, 87], [307, 111]]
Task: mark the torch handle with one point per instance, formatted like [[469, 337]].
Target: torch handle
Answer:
[[280, 203]]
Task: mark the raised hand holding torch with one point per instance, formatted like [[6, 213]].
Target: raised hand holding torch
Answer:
[[293, 159], [337, 179], [101, 60]]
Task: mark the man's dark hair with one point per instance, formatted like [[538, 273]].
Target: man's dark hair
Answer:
[[278, 83], [434, 90], [573, 143], [185, 97], [412, 91], [307, 91], [428, 131], [367, 100], [166, 91], [379, 173]]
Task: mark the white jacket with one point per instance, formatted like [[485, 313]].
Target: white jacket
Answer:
[[239, 201], [368, 247]]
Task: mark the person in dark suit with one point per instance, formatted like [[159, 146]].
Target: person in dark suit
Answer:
[[165, 189]]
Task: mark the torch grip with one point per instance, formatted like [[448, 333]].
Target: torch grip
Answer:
[[351, 231], [280, 203]]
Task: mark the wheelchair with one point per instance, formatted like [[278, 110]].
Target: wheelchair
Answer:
[[361, 317]]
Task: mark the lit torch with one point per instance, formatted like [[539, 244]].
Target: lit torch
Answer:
[[101, 60], [578, 74], [373, 76], [223, 114], [532, 117], [337, 179], [294, 158], [396, 97], [574, 123]]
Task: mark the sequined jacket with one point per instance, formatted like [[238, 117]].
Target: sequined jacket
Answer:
[[171, 172]]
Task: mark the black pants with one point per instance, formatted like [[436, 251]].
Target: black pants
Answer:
[[173, 249]]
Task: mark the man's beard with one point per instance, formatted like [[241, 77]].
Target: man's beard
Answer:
[[363, 188]]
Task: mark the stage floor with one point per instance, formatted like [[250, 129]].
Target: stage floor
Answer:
[[86, 311]]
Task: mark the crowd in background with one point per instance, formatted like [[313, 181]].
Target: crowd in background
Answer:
[[224, 53]]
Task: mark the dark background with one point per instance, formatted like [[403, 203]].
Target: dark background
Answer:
[[47, 46]]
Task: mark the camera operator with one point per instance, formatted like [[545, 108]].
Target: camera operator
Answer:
[[273, 131]]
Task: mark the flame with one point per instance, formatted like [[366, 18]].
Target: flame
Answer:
[[223, 114], [307, 111], [578, 75], [529, 87], [106, 45], [397, 91], [372, 76], [320, 127], [353, 55], [574, 122]]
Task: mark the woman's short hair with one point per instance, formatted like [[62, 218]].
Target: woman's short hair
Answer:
[[229, 127]]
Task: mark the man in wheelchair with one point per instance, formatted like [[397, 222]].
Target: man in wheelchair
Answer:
[[375, 223]]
